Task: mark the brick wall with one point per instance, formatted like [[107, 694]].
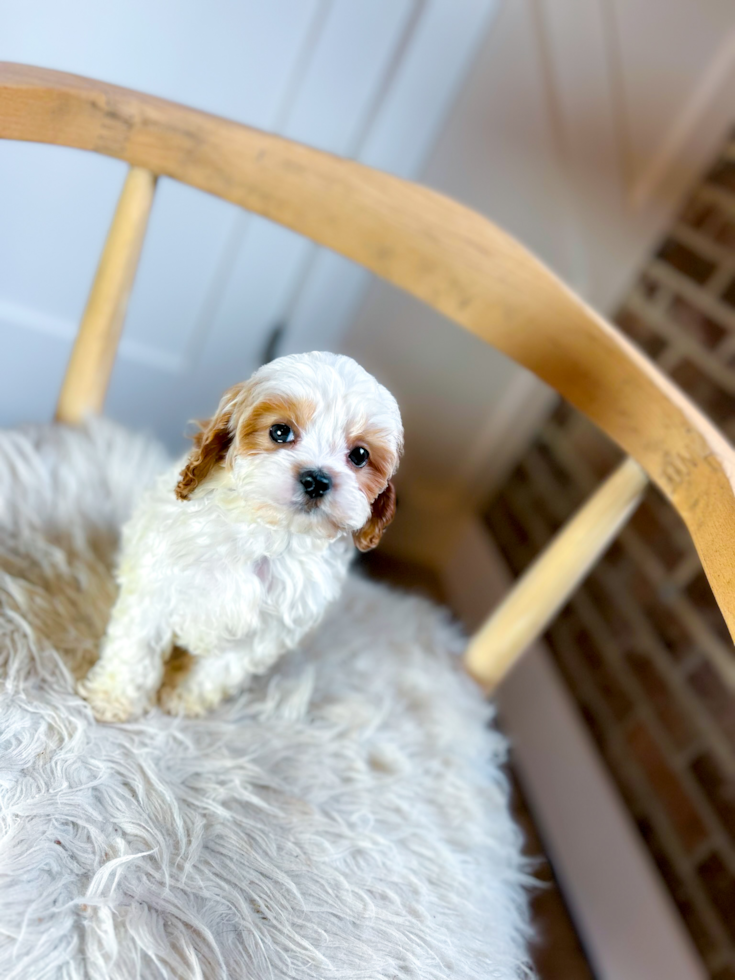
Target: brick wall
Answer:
[[642, 645]]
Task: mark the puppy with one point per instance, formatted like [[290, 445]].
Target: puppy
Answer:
[[237, 554]]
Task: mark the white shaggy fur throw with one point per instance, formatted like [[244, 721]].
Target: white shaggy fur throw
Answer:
[[346, 817]]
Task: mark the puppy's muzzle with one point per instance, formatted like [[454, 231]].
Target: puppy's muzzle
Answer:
[[316, 483]]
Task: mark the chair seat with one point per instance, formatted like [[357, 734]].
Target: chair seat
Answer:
[[345, 817]]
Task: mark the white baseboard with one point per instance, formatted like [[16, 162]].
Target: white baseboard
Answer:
[[625, 917]]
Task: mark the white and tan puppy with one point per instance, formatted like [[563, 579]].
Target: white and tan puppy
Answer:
[[235, 556]]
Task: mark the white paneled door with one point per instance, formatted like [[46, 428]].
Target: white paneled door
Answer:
[[370, 79]]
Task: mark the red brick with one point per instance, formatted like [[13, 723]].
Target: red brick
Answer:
[[650, 525], [640, 332], [696, 212], [519, 477], [674, 636], [570, 617], [718, 701], [724, 234], [702, 389], [638, 584], [701, 935], [618, 558], [663, 700], [719, 789], [606, 683], [627, 779], [686, 260], [666, 784], [557, 469], [509, 533], [711, 220], [723, 174], [727, 973], [701, 327], [603, 598], [599, 453], [700, 593], [651, 288], [548, 515], [596, 729], [728, 296], [719, 882], [565, 655]]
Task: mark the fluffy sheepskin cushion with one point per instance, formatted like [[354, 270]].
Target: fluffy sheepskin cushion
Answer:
[[346, 817]]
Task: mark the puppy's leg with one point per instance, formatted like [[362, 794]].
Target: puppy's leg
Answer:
[[212, 678], [124, 681], [207, 681]]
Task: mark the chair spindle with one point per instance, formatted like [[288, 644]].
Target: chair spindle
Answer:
[[93, 355], [547, 584]]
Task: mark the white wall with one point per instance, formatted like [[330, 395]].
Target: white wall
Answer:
[[371, 79]]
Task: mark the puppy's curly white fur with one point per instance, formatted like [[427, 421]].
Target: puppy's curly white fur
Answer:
[[235, 556]]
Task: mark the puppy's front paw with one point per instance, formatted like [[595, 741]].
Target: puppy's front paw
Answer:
[[182, 699], [106, 703]]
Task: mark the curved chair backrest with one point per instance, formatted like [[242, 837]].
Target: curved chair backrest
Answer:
[[444, 254]]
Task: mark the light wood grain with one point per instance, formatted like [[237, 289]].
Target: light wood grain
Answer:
[[547, 584], [443, 253], [93, 355]]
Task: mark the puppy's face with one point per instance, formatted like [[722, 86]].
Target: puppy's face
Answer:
[[311, 442]]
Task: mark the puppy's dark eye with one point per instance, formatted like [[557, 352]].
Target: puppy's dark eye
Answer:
[[280, 432], [359, 456]]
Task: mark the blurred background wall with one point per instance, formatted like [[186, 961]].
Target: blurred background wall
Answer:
[[575, 124], [370, 79]]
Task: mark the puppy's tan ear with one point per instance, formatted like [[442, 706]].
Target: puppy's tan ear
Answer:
[[210, 447], [383, 512], [210, 444]]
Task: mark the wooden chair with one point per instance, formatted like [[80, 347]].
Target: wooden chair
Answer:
[[444, 254]]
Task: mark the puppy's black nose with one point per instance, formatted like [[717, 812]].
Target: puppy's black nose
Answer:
[[315, 483]]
